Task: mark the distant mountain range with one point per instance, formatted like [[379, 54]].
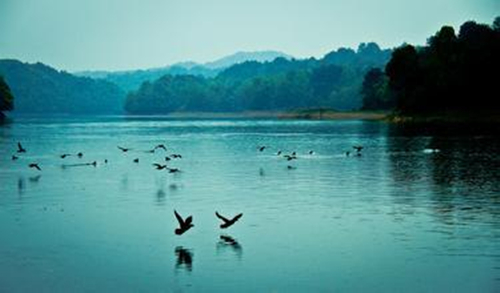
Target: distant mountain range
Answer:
[[131, 80]]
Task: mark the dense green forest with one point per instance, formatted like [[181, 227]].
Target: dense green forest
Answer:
[[330, 82], [6, 98], [41, 89], [453, 74]]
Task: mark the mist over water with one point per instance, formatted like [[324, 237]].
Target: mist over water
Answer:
[[417, 211]]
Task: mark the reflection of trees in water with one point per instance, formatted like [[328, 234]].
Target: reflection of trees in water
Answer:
[[184, 259], [463, 175]]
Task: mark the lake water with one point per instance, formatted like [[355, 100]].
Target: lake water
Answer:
[[418, 211]]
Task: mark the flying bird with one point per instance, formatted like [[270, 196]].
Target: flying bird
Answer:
[[227, 223], [358, 148], [20, 148], [34, 165], [161, 146], [175, 156], [136, 160], [14, 157], [123, 149], [184, 225], [159, 167], [173, 170], [64, 156], [262, 148], [279, 153]]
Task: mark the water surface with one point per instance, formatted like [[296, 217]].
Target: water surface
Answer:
[[418, 211]]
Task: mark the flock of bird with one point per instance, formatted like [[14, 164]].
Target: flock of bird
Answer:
[[184, 224], [187, 223]]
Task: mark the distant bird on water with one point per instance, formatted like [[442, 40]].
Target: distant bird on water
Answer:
[[136, 160], [279, 153], [20, 148], [35, 166], [173, 170], [79, 155], [14, 157], [123, 149], [311, 152], [184, 225], [176, 156], [228, 222], [64, 156], [262, 148]]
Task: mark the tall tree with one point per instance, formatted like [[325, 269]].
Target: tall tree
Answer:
[[6, 97]]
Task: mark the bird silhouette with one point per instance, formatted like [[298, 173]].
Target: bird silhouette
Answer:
[[175, 156], [34, 165], [228, 222], [136, 160], [290, 157], [64, 156], [161, 146], [358, 148], [279, 153], [291, 167], [79, 155], [123, 149], [14, 157], [173, 170], [311, 152], [184, 225], [167, 159], [159, 167], [20, 148], [262, 148]]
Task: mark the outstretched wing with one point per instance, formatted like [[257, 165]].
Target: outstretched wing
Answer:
[[221, 217], [179, 218], [189, 220], [19, 146], [157, 165], [237, 217]]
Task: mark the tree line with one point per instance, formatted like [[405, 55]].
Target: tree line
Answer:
[[330, 82], [451, 74]]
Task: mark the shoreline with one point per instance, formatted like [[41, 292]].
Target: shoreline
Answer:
[[301, 114]]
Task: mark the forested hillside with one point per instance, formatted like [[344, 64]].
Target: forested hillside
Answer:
[[454, 74], [41, 89], [333, 81]]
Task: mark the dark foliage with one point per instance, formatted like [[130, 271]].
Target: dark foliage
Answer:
[[6, 98], [282, 84], [41, 89], [451, 75]]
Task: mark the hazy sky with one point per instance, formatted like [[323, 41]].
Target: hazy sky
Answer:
[[128, 34]]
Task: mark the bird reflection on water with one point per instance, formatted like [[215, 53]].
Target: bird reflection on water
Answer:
[[184, 259], [227, 242]]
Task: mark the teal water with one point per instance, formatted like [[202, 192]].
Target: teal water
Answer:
[[418, 211]]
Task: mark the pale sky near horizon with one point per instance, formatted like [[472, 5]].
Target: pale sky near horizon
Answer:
[[130, 34]]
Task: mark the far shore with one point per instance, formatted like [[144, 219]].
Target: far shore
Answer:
[[298, 114]]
